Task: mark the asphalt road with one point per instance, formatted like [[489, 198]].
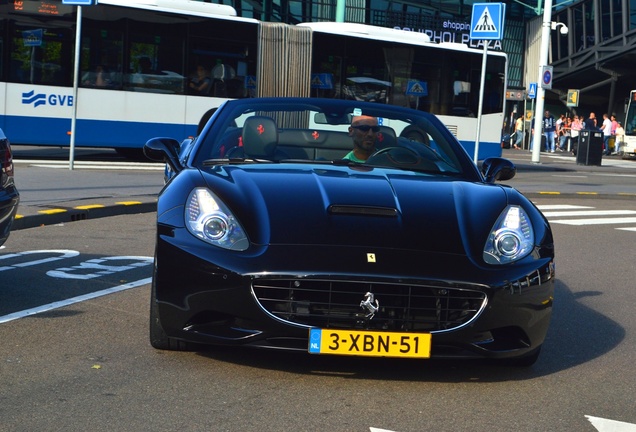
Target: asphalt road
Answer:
[[88, 365]]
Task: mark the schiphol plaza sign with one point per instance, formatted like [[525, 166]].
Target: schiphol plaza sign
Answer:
[[455, 32]]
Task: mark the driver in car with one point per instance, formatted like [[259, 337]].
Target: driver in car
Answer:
[[363, 131]]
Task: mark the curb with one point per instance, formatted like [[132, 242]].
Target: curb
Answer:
[[52, 216]]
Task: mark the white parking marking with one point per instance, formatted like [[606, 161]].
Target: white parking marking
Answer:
[[64, 254], [594, 221], [606, 425], [73, 300], [74, 272], [555, 213], [562, 207], [589, 213]]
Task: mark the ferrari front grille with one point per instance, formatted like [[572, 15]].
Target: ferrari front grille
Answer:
[[348, 305]]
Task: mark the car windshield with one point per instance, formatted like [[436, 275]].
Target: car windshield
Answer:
[[319, 131]]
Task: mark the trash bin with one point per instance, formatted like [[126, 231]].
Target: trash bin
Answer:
[[590, 148]]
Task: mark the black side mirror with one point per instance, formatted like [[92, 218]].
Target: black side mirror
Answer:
[[164, 150], [497, 169]]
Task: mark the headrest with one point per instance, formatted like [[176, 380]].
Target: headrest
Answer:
[[260, 137], [386, 138]]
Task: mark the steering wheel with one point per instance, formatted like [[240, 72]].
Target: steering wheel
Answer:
[[394, 156]]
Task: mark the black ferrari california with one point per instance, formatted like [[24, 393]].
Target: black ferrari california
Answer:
[[343, 227]]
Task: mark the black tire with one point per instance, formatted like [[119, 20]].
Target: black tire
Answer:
[[158, 337]]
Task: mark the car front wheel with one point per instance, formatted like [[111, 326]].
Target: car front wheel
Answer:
[[158, 337]]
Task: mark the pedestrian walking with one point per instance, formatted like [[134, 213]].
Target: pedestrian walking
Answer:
[[614, 127], [577, 125], [564, 133], [549, 128], [619, 137], [606, 127], [519, 133]]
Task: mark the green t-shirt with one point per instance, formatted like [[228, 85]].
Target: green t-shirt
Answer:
[[352, 157]]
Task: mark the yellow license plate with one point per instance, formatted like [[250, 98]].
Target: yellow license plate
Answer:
[[369, 343]]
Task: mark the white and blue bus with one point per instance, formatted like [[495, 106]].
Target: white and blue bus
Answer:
[[138, 58]]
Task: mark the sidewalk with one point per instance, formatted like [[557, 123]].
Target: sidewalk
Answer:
[[566, 161], [51, 193]]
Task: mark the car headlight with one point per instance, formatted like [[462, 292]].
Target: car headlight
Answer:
[[511, 238], [210, 220]]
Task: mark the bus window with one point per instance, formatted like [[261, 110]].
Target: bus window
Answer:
[[41, 55], [156, 59], [229, 61], [102, 55]]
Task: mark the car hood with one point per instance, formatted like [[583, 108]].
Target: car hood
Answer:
[[366, 207]]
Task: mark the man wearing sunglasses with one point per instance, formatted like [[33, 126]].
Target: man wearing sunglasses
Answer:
[[363, 131]]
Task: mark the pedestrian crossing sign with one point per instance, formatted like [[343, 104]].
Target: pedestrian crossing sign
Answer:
[[487, 21], [417, 88]]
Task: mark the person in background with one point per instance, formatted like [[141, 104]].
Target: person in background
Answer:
[[590, 122], [549, 128], [99, 78], [564, 133], [559, 132], [575, 128], [518, 133], [619, 137], [614, 126], [606, 127], [200, 83], [363, 131]]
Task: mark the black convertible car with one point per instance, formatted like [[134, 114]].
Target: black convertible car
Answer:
[[343, 227]]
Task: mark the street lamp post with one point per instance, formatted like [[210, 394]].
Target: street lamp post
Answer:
[[543, 61]]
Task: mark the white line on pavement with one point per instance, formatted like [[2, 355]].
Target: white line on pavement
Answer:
[[73, 300]]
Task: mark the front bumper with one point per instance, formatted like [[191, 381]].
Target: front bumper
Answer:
[[270, 298]]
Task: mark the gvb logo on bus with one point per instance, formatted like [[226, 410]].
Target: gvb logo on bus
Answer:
[[31, 98]]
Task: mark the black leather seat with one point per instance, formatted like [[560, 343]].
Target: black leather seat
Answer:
[[260, 138], [386, 138]]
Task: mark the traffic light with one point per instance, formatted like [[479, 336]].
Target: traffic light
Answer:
[[573, 98]]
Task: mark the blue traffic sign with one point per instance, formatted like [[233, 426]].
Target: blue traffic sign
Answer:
[[417, 88], [546, 77], [487, 21], [532, 91]]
